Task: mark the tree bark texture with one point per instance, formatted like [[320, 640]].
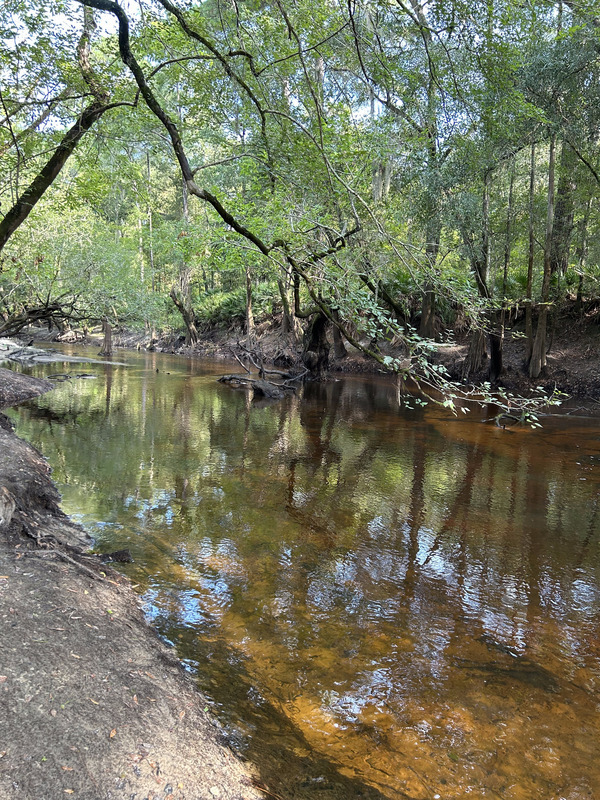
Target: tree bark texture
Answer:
[[286, 321], [315, 356], [339, 348], [433, 234], [564, 212], [496, 337], [473, 363], [249, 312], [107, 343]]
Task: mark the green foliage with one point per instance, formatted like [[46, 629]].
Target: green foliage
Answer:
[[218, 308], [306, 121]]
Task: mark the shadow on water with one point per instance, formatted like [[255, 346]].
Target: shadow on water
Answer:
[[262, 734]]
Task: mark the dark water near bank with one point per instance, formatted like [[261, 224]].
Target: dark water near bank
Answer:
[[379, 603]]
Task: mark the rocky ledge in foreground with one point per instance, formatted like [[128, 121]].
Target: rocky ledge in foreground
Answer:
[[92, 705]]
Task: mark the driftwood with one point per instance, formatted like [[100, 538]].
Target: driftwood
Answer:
[[253, 355], [260, 386]]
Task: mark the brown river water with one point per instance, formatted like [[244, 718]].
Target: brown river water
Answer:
[[378, 602]]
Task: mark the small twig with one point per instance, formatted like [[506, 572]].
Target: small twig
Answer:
[[249, 354]]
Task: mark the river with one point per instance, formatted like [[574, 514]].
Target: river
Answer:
[[377, 601]]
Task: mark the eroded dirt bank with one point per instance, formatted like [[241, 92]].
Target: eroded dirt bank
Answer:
[[573, 365], [92, 704]]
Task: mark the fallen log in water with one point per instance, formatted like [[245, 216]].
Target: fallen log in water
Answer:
[[273, 391]]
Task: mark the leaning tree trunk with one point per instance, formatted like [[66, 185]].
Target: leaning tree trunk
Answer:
[[19, 212], [21, 209], [315, 355]]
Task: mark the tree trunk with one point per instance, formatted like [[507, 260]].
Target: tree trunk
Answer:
[[376, 182], [181, 297], [582, 251], [316, 347], [480, 262], [107, 343], [432, 247], [564, 211], [23, 206], [481, 259], [497, 331], [529, 290], [496, 346], [473, 363], [427, 325], [381, 180], [249, 312], [286, 321], [19, 212], [339, 348], [508, 237], [538, 355]]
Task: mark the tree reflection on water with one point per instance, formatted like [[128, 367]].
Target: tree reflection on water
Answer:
[[390, 602]]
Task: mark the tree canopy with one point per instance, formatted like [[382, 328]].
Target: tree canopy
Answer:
[[381, 169]]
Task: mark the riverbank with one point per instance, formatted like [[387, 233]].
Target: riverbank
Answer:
[[92, 704], [572, 366]]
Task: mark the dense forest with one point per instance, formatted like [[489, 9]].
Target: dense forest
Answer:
[[366, 170]]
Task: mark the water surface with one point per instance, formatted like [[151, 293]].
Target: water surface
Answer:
[[378, 602]]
